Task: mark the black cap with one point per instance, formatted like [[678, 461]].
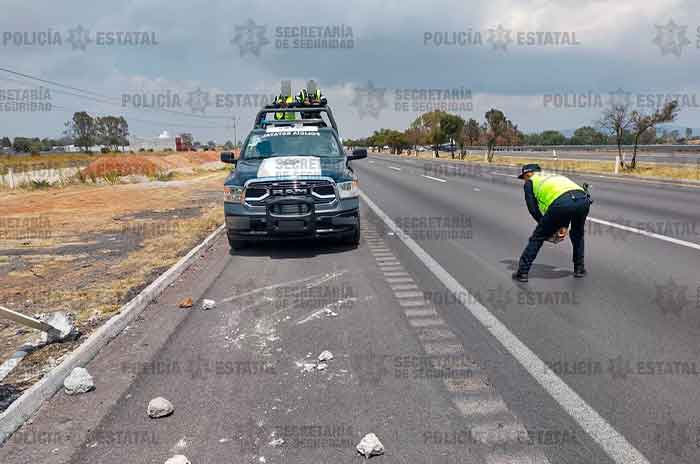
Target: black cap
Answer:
[[529, 168]]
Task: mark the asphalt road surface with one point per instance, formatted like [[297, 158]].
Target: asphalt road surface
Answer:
[[413, 363]]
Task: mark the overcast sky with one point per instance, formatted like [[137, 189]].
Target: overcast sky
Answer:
[[202, 54]]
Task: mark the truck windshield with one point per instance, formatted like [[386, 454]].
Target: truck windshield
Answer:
[[302, 143]]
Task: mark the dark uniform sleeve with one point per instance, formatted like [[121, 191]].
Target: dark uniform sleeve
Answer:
[[531, 202]]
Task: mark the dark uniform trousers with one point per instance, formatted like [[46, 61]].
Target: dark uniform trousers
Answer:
[[571, 208]]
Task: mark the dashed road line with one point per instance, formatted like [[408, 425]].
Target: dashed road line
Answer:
[[408, 294], [404, 287], [411, 303], [433, 178], [428, 322], [420, 312]]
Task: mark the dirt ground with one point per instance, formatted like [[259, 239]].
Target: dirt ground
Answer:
[[88, 249]]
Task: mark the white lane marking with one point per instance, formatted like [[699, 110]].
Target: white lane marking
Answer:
[[665, 238], [433, 178], [394, 168], [429, 312], [610, 440], [504, 175]]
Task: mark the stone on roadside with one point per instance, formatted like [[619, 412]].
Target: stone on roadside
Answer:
[[325, 356], [370, 446], [186, 303], [63, 323], [208, 304], [308, 367], [79, 381], [160, 407], [178, 459], [276, 442]]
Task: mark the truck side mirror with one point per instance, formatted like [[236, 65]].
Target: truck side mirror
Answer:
[[228, 157], [358, 153]]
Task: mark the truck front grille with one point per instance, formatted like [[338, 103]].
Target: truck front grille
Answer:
[[290, 209], [322, 191]]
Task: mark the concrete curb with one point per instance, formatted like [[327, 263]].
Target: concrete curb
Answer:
[[31, 400]]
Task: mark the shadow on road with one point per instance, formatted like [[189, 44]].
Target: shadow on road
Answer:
[[543, 271], [292, 249]]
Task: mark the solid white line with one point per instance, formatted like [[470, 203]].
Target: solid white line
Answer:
[[505, 175], [665, 238], [433, 178], [610, 440], [394, 168]]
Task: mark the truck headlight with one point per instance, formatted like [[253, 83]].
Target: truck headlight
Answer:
[[349, 189], [233, 194]]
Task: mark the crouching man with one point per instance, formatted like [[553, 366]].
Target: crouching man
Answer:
[[555, 202]]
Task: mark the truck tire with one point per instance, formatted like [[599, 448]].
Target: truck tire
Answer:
[[354, 239], [236, 244]]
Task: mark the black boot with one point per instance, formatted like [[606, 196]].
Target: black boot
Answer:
[[520, 276], [579, 271]]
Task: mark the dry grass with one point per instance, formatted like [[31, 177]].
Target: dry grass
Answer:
[[63, 160], [88, 249], [644, 169]]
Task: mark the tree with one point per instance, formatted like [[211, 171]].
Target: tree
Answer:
[[83, 129], [5, 142], [497, 126], [112, 131], [397, 141], [435, 132], [26, 145], [472, 131], [452, 126], [229, 145], [552, 137], [588, 135], [615, 120], [688, 133], [187, 140], [641, 123]]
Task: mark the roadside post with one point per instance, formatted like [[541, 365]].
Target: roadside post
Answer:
[[30, 322]]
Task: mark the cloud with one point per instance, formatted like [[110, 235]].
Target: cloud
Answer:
[[195, 51]]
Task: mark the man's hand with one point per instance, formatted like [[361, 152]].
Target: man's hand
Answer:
[[559, 235]]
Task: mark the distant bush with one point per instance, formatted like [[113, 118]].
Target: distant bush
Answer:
[[163, 176], [39, 184], [105, 150], [111, 177], [121, 166]]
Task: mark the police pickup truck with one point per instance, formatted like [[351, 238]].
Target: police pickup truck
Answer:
[[292, 180]]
